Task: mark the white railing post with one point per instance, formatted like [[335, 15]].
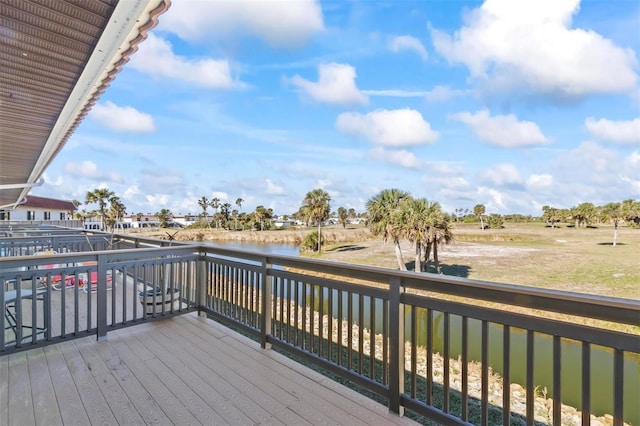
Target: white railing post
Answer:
[[396, 346]]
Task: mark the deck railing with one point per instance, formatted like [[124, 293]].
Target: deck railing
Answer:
[[427, 343]]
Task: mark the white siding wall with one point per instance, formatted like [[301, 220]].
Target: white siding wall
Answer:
[[21, 213]]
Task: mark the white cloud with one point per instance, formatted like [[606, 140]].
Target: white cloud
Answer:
[[220, 195], [157, 59], [131, 192], [395, 128], [400, 157], [273, 189], [623, 132], [407, 42], [162, 180], [503, 175], [397, 93], [495, 199], [437, 94], [122, 119], [278, 23], [502, 130], [595, 173], [444, 93], [531, 46], [540, 181], [630, 172], [48, 180], [89, 169], [336, 85], [156, 202]]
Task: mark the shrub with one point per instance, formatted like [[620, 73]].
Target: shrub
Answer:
[[310, 242]]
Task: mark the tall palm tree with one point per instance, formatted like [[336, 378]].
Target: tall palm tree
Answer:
[[225, 212], [478, 211], [384, 218], [215, 203], [613, 212], [100, 196], [260, 215], [439, 233], [417, 218], [117, 210], [204, 205], [343, 216], [317, 202], [239, 202]]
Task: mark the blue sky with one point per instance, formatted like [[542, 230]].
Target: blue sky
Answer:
[[511, 104]]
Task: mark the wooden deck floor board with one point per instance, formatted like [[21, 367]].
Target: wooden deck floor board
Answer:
[[250, 385], [323, 410], [69, 403], [147, 407], [201, 363], [182, 370], [164, 397], [229, 372], [4, 390], [267, 368], [45, 405], [174, 358], [96, 406], [21, 404], [126, 414]]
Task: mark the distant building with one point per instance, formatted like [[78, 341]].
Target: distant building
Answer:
[[35, 208], [185, 220], [281, 223], [141, 221]]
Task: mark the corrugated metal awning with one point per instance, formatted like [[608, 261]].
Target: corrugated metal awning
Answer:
[[57, 57]]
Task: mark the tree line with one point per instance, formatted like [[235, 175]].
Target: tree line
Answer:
[[394, 214]]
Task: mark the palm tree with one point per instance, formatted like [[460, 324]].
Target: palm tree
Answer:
[[303, 215], [343, 216], [164, 216], [439, 233], [551, 214], [100, 196], [417, 217], [225, 212], [259, 215], [117, 210], [239, 202], [71, 213], [317, 202], [204, 204], [383, 210], [215, 203], [613, 212], [582, 214], [478, 211], [234, 216]]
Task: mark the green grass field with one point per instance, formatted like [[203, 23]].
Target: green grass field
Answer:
[[565, 258]]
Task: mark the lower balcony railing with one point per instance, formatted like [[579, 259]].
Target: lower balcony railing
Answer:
[[453, 350]]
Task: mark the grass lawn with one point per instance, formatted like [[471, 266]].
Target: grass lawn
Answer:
[[563, 258]]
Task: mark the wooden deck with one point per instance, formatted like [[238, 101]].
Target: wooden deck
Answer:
[[182, 370]]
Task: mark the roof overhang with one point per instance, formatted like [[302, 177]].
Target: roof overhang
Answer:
[[58, 58]]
